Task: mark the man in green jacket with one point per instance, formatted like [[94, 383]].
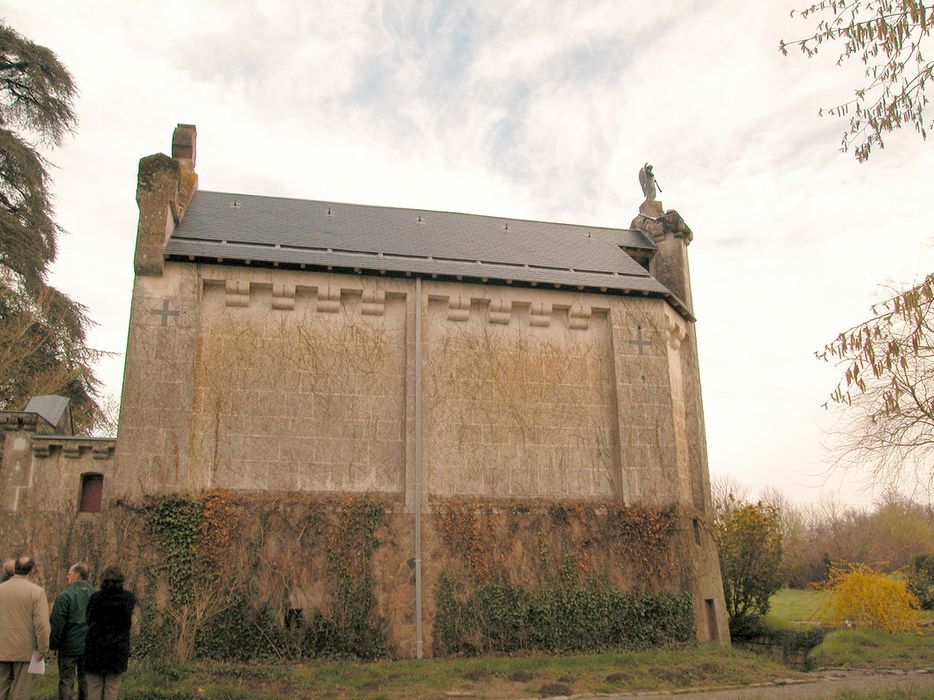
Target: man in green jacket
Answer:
[[69, 628]]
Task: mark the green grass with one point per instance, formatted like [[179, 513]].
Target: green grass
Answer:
[[874, 649], [695, 666], [913, 694], [791, 606]]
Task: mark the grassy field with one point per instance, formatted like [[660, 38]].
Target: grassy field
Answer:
[[496, 677], [890, 695], [792, 606], [874, 649], [491, 677], [852, 648]]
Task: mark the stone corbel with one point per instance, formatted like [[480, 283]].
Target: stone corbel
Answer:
[[329, 299], [579, 317], [41, 449], [72, 450], [500, 311], [540, 314], [237, 293], [675, 332], [374, 302], [283, 296], [458, 308]]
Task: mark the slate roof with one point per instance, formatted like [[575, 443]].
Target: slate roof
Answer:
[[51, 407], [236, 227]]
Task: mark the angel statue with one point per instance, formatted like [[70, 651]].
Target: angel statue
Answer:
[[648, 182]]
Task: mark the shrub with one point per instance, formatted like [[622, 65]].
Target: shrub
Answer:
[[921, 581], [750, 541], [862, 597]]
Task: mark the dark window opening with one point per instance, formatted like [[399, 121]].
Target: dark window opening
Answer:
[[697, 532], [711, 620], [92, 491]]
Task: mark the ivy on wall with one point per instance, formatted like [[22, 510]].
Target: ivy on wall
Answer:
[[558, 577], [239, 577], [510, 619], [580, 539], [211, 590]]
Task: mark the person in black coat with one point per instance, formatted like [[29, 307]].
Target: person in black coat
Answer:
[[107, 647]]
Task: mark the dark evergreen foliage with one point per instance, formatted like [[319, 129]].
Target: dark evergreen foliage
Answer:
[[43, 345]]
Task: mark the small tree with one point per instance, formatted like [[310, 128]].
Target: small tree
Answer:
[[889, 37], [750, 541]]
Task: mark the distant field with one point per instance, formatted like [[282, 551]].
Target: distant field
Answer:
[[791, 606]]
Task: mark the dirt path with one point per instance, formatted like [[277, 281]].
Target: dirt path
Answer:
[[824, 685]]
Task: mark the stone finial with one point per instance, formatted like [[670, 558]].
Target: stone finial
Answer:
[[184, 140]]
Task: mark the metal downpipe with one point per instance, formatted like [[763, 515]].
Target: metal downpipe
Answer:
[[417, 501]]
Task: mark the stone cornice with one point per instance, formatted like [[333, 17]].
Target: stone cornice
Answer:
[[73, 447], [23, 420]]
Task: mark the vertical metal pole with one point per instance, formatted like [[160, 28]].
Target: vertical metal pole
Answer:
[[418, 468]]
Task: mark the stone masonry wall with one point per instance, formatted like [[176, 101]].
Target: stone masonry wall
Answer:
[[518, 403], [304, 396], [282, 381], [264, 380]]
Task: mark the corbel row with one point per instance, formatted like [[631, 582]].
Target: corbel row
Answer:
[[72, 449], [328, 298], [18, 421], [500, 312]]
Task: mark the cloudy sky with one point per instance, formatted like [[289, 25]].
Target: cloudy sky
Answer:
[[544, 110]]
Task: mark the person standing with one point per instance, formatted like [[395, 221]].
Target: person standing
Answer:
[[8, 570], [107, 645], [24, 623], [69, 629]]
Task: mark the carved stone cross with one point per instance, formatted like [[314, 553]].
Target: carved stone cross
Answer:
[[640, 341], [164, 312]]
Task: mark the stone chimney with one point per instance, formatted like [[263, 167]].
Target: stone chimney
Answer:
[[164, 188], [672, 237]]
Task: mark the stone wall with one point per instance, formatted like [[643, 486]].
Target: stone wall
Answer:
[[305, 398], [273, 381], [283, 380], [43, 472]]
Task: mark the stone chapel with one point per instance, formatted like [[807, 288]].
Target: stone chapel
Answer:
[[294, 346]]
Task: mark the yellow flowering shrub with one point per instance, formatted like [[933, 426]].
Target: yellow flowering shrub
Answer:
[[861, 597]]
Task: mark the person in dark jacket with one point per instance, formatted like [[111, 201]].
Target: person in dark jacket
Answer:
[[69, 628], [107, 646]]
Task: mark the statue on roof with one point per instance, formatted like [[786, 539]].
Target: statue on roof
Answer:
[[648, 182]]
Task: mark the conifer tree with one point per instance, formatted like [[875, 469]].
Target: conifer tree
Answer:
[[43, 346]]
